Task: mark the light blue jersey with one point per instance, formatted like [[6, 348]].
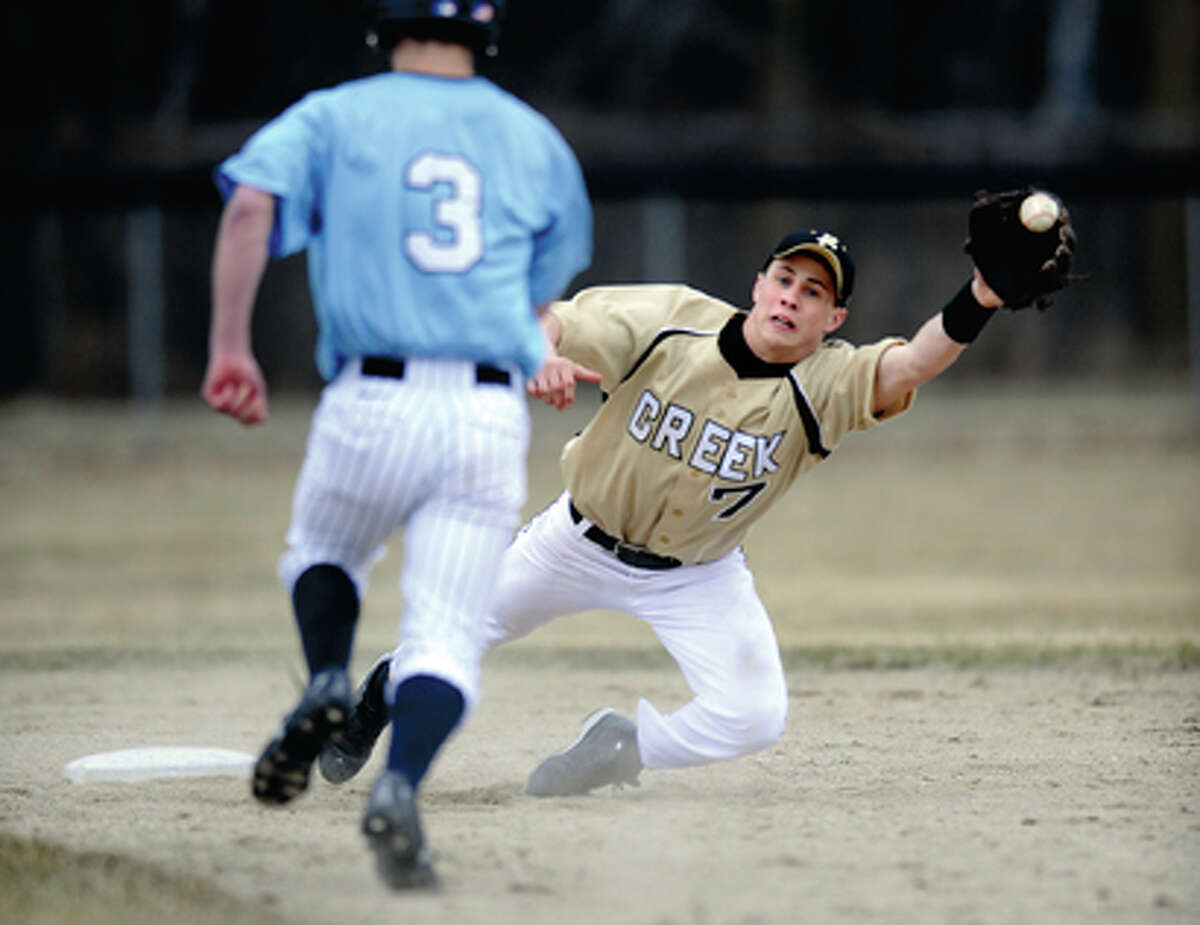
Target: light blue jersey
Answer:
[[436, 213]]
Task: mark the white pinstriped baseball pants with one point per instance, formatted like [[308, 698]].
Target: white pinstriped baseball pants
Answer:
[[437, 455], [709, 617]]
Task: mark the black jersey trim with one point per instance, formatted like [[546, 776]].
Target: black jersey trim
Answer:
[[658, 339], [744, 361], [808, 417], [748, 366]]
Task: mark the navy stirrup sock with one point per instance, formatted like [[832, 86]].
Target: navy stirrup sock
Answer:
[[424, 713], [326, 605]]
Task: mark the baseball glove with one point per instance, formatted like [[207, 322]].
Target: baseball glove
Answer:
[[1023, 267]]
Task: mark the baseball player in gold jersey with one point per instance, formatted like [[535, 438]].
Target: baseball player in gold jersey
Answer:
[[711, 413]]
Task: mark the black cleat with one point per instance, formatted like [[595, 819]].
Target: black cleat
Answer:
[[281, 773], [393, 831], [342, 758]]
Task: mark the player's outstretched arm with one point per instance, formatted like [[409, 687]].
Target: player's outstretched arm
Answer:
[[555, 381], [907, 366], [1023, 243], [233, 382]]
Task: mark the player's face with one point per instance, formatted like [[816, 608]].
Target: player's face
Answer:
[[793, 310]]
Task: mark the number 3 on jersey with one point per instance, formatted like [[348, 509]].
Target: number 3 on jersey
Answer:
[[458, 213]]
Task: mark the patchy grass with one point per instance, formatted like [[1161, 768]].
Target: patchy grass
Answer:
[[43, 884], [988, 520]]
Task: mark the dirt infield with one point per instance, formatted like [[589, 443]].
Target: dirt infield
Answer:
[[934, 794], [990, 621]]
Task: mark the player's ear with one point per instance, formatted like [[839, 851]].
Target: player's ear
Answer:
[[837, 319], [758, 278]]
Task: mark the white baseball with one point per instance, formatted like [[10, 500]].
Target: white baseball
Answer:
[[1039, 212]]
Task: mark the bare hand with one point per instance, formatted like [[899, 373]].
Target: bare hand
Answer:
[[555, 381], [984, 294], [234, 385]]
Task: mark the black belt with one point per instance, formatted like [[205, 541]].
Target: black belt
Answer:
[[630, 555], [394, 369]]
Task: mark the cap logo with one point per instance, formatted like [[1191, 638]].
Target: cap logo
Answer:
[[828, 249]]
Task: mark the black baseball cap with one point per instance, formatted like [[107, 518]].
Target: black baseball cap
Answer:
[[826, 247]]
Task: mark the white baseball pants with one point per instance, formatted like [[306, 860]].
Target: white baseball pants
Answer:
[[437, 454], [708, 617]]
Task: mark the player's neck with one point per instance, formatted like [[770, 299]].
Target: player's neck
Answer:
[[439, 59]]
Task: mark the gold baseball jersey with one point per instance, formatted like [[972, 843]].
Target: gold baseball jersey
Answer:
[[697, 437]]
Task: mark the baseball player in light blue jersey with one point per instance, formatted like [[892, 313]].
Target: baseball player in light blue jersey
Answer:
[[440, 215]]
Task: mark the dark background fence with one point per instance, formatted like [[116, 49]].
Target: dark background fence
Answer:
[[706, 129]]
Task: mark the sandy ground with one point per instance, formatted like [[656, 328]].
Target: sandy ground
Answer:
[[1067, 794], [1041, 764]]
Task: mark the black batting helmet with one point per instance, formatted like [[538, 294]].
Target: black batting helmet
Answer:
[[470, 22]]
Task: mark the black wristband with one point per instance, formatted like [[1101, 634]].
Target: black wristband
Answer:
[[963, 318]]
